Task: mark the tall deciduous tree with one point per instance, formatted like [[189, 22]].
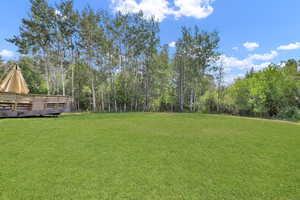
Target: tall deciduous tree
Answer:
[[196, 52], [90, 35], [36, 34]]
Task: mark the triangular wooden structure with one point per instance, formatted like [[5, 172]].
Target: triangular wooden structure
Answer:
[[15, 100], [14, 82]]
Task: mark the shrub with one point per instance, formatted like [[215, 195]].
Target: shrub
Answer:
[[290, 113]]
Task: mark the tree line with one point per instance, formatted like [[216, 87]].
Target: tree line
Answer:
[[273, 92], [116, 63]]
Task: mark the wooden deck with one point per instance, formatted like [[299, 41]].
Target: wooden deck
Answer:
[[16, 105]]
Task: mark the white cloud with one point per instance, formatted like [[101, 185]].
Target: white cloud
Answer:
[[233, 65], [263, 57], [193, 8], [235, 48], [172, 44], [282, 64], [248, 62], [233, 62], [157, 8], [57, 12], [291, 46], [230, 78], [160, 9], [261, 66], [6, 53], [250, 46]]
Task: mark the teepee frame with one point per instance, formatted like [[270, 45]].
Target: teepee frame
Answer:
[[14, 82]]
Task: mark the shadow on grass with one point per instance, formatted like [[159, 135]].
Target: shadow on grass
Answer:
[[31, 117]]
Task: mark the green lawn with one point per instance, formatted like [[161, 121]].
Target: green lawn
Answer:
[[149, 156]]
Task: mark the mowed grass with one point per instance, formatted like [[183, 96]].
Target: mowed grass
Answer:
[[149, 156]]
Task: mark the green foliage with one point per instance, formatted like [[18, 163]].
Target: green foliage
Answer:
[[273, 92], [195, 53], [34, 79], [124, 66], [209, 102], [290, 113], [114, 63]]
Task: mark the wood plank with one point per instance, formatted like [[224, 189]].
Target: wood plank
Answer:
[[15, 105]]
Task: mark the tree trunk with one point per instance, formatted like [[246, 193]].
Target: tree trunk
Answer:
[[146, 96], [62, 77], [136, 104], [146, 104], [103, 104], [191, 101], [109, 102], [116, 107], [181, 89], [73, 74], [48, 75], [93, 95], [194, 106]]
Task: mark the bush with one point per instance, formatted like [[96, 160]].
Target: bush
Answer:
[[290, 113], [208, 102]]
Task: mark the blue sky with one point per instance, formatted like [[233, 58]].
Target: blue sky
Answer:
[[253, 32]]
